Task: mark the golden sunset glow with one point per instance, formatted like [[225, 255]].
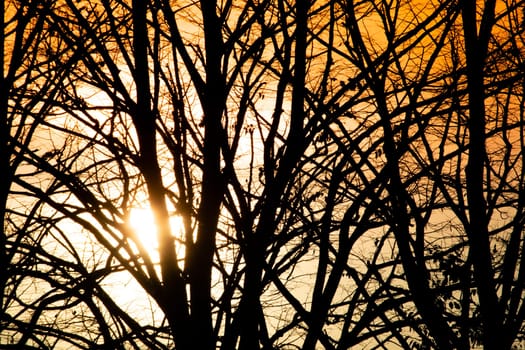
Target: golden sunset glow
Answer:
[[262, 174], [142, 222]]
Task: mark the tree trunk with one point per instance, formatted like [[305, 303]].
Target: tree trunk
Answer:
[[173, 298], [200, 257], [476, 45]]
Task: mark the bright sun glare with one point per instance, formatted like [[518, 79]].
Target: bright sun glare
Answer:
[[143, 224]]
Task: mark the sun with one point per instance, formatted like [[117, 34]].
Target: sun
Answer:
[[142, 222]]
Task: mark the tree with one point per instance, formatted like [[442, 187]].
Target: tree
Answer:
[[437, 160], [52, 290], [313, 153]]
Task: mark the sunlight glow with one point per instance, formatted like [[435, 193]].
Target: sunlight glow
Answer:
[[142, 222]]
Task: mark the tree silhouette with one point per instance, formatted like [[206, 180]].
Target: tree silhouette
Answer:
[[346, 174]]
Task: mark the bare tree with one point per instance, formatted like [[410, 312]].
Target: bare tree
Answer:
[[445, 184], [53, 278], [326, 163]]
